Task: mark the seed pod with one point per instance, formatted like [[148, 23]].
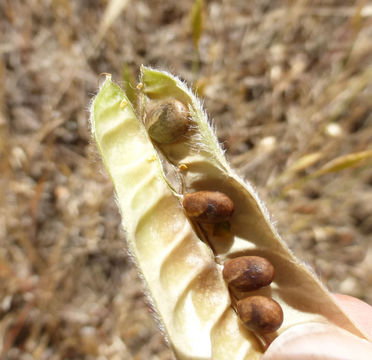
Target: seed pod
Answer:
[[208, 206], [260, 314], [167, 121], [185, 277], [248, 273]]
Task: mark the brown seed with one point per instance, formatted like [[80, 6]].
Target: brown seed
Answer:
[[247, 273], [208, 206], [167, 121], [260, 314], [222, 229]]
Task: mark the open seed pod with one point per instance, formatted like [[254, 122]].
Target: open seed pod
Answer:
[[181, 259]]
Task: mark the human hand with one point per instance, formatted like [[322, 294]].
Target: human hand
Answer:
[[322, 342]]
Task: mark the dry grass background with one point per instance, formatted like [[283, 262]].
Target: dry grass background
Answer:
[[288, 84]]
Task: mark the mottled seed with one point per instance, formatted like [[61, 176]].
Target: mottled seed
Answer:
[[260, 314], [208, 206], [247, 273], [167, 121]]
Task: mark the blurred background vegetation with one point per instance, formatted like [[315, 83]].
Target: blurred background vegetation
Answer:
[[288, 86]]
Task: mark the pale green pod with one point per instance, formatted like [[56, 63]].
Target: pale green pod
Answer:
[[300, 294], [184, 282], [181, 261]]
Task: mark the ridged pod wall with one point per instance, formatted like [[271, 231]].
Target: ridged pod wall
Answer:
[[222, 281]]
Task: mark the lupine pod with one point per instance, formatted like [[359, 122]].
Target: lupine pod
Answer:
[[181, 272], [184, 282], [301, 295]]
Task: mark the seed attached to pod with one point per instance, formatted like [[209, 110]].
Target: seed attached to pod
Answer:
[[208, 206], [248, 273], [167, 121], [260, 314]]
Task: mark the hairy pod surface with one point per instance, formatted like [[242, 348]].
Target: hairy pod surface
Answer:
[[177, 261], [167, 121], [248, 273], [300, 294], [208, 206], [260, 313], [183, 280]]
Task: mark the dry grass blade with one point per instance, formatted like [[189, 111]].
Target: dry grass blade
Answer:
[[338, 164], [304, 162], [197, 24], [197, 21], [113, 10], [343, 162]]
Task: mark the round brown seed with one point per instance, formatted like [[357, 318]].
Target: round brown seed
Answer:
[[208, 206], [247, 273], [167, 121], [260, 314]]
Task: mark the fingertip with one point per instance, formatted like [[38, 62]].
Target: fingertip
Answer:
[[314, 341], [359, 311]]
